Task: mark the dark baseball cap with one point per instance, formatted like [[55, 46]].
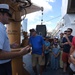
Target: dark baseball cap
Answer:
[[32, 30]]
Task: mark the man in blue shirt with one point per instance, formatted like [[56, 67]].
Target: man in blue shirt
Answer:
[[5, 52], [37, 44]]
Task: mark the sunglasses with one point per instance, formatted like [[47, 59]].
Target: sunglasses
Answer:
[[68, 31], [64, 33]]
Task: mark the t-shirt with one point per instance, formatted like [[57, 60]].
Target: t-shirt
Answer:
[[47, 44], [66, 47], [73, 41], [4, 41], [37, 43], [72, 66], [55, 50]]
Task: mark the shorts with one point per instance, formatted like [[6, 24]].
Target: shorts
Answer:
[[65, 57], [38, 59]]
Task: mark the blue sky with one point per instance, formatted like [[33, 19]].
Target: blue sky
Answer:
[[51, 14]]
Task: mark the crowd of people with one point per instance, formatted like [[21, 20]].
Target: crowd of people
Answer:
[[59, 53]]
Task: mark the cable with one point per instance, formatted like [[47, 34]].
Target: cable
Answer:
[[27, 3], [23, 4], [21, 19], [53, 18]]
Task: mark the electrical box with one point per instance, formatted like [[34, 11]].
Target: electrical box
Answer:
[[41, 30]]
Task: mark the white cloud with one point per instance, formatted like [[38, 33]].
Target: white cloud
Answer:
[[33, 25], [49, 29], [42, 3], [49, 26], [33, 16], [47, 23], [51, 16], [37, 15], [50, 0]]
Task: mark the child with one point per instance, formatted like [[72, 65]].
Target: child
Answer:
[[55, 57], [46, 52]]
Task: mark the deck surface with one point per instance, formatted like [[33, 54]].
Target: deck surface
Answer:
[[28, 67]]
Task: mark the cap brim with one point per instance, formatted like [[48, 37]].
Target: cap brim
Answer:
[[32, 30], [10, 15], [6, 11]]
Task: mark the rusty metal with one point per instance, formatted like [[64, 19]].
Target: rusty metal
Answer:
[[17, 6]]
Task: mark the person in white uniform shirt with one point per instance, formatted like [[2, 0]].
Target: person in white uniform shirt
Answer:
[[5, 54]]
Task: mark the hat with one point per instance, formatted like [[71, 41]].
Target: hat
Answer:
[[5, 9], [32, 30], [47, 37], [69, 29]]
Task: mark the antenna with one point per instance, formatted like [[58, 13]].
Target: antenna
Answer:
[[42, 16]]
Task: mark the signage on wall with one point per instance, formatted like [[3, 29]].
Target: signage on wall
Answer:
[[12, 32]]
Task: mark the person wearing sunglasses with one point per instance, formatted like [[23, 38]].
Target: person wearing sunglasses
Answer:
[[66, 42]]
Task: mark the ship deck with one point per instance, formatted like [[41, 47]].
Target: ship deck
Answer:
[[28, 67]]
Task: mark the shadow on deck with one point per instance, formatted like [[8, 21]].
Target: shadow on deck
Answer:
[[28, 67]]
